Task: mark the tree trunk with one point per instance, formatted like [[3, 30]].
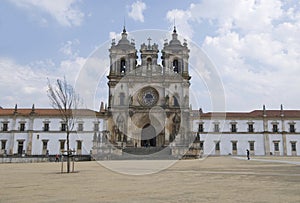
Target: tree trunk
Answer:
[[68, 153]]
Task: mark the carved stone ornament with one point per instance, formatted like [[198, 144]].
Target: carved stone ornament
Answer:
[[148, 96]]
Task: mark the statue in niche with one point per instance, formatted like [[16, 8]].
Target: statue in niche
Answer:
[[171, 137], [106, 135], [176, 124], [124, 138], [167, 100], [120, 128], [175, 127], [119, 135], [120, 123], [130, 100], [115, 132]]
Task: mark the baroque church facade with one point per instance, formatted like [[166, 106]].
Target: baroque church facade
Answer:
[[149, 110], [149, 102]]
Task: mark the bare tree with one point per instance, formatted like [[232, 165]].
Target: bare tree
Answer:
[[64, 98]]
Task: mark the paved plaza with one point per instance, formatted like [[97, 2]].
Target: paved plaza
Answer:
[[213, 179]]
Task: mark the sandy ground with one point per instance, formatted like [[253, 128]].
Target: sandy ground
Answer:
[[214, 179]]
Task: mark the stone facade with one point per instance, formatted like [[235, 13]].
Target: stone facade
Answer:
[[42, 132], [149, 107], [149, 102], [263, 132]]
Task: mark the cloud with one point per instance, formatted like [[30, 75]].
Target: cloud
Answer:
[[137, 9], [70, 68], [27, 84], [94, 70], [256, 69], [182, 20], [20, 84], [64, 12], [68, 48], [112, 35], [247, 16], [254, 45]]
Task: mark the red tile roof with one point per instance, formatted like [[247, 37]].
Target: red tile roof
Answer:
[[45, 112], [253, 114], [195, 113]]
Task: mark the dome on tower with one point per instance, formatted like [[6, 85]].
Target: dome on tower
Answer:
[[124, 43], [174, 40]]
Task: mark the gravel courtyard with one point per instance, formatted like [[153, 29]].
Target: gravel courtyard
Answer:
[[213, 179]]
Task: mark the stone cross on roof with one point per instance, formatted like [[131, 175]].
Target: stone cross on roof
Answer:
[[149, 40]]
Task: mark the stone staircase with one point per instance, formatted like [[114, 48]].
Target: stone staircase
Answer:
[[147, 153], [143, 150]]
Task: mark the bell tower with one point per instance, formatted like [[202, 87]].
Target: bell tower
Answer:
[[175, 56], [122, 56]]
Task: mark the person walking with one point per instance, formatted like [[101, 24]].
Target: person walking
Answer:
[[56, 158], [248, 154]]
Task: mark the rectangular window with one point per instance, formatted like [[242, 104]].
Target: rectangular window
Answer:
[[251, 145], [96, 127], [45, 144], [5, 127], [293, 146], [233, 128], [276, 146], [250, 128], [46, 126], [63, 127], [216, 128], [200, 128], [3, 144], [79, 144], [80, 127], [217, 146], [275, 128], [62, 144], [22, 126], [234, 146], [20, 146], [292, 128]]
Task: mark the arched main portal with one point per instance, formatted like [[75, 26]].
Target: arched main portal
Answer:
[[148, 136]]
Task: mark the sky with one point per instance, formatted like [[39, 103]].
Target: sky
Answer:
[[254, 46]]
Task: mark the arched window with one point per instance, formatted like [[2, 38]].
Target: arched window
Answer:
[[149, 62], [122, 99], [175, 100], [123, 66], [175, 66]]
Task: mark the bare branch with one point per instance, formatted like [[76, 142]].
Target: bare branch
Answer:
[[63, 98]]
